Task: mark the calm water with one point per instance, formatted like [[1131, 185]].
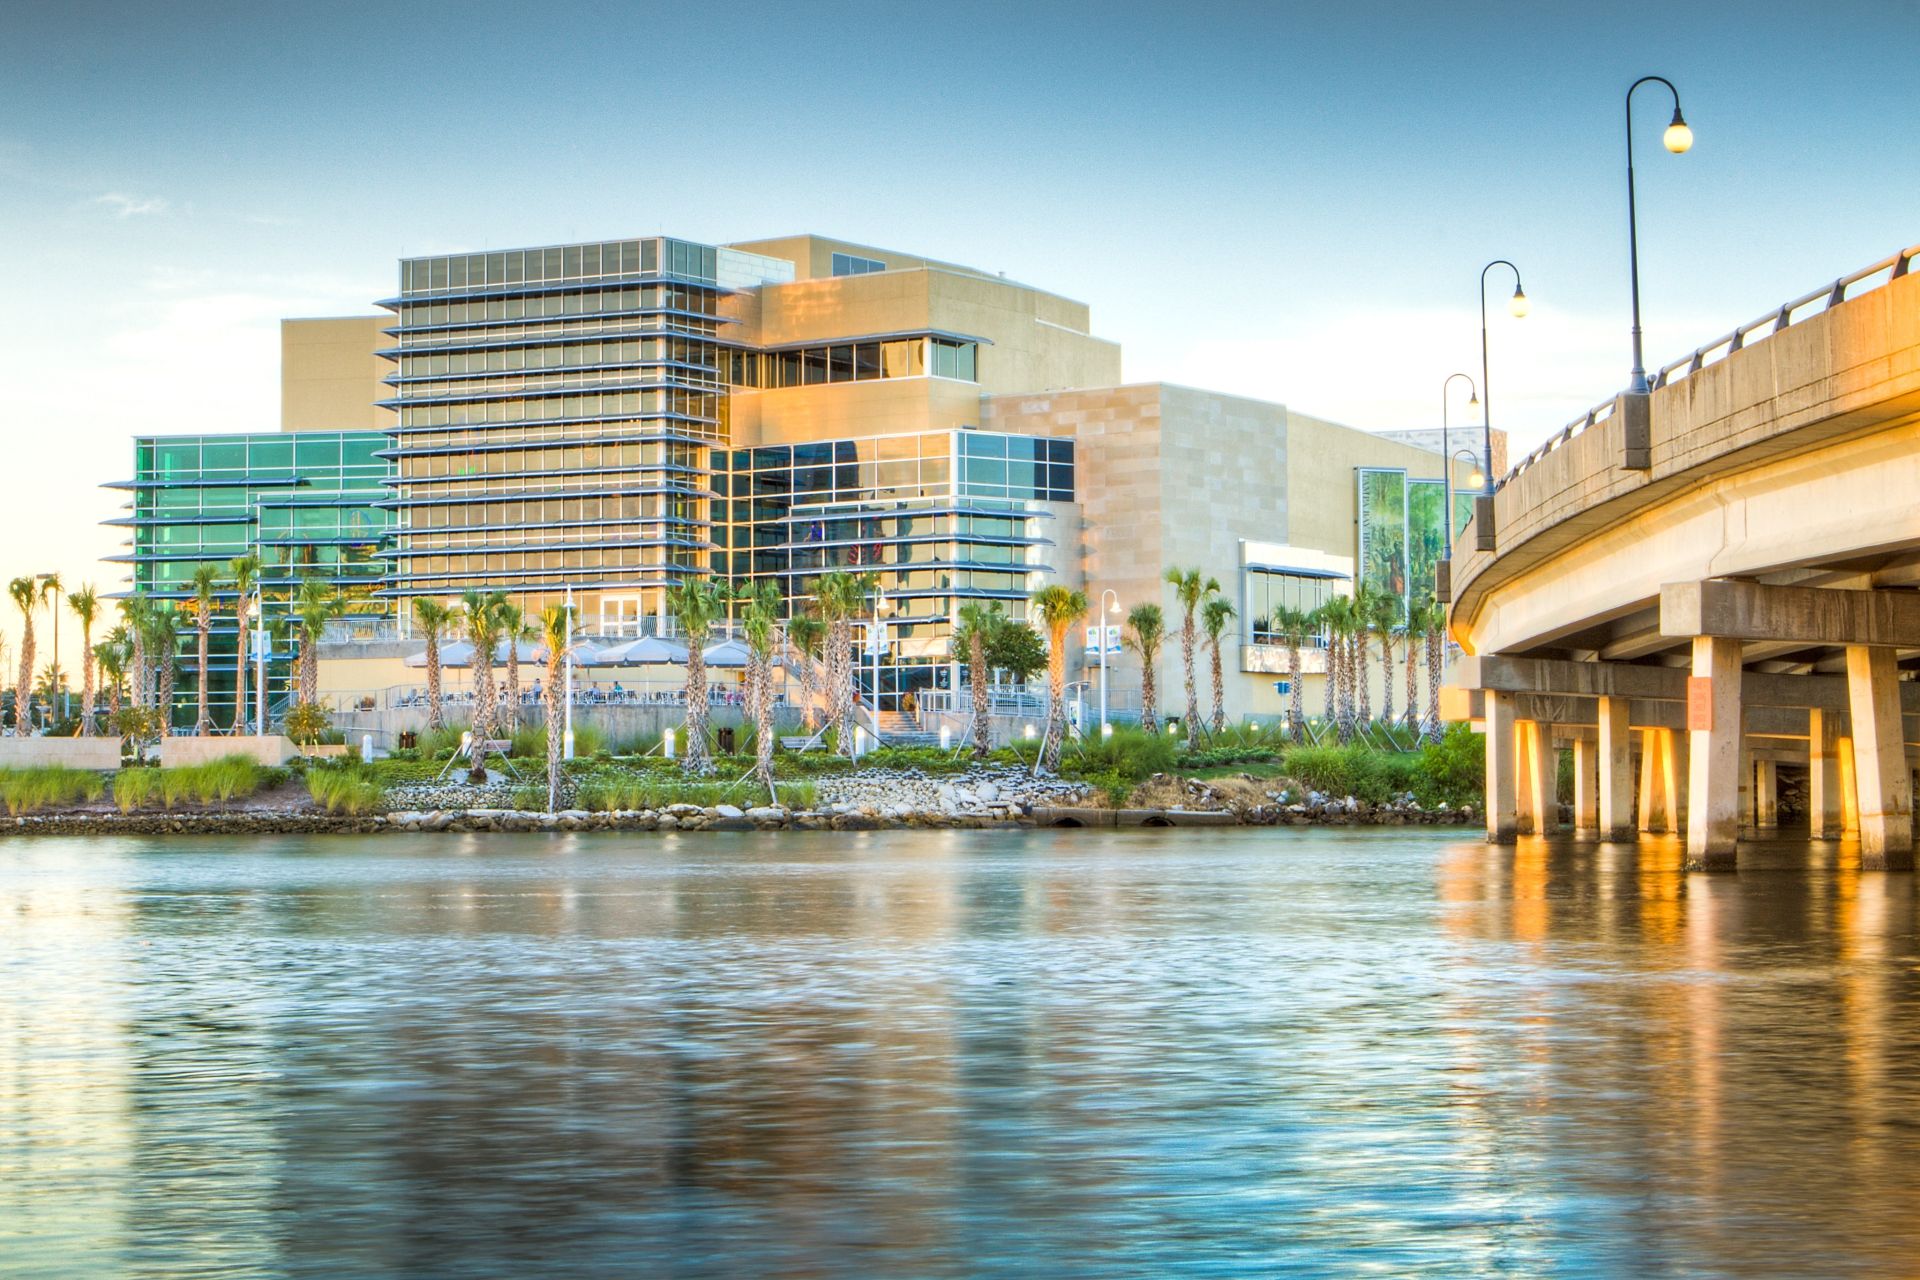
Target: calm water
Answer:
[[952, 1054]]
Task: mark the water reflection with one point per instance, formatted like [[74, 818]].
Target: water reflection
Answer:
[[952, 1054]]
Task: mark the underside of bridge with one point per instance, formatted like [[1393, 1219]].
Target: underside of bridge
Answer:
[[1693, 588]]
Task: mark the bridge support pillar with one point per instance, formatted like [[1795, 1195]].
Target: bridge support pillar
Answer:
[[1616, 771], [1714, 747], [1766, 795], [1586, 784], [1541, 793], [1826, 811], [1653, 776], [1502, 759], [1749, 807], [1880, 760]]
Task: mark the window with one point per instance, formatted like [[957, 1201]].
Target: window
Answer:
[[953, 359], [847, 264]]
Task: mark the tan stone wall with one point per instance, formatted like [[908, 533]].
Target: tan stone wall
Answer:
[[812, 256], [329, 376]]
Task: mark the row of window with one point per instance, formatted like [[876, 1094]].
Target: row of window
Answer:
[[418, 541], [628, 455], [585, 302], [587, 558], [536, 512], [603, 381], [703, 406], [560, 262], [850, 362], [576, 355], [318, 456], [182, 502], [1269, 591], [554, 331], [654, 452]]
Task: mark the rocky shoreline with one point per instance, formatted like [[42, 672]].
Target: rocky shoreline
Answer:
[[870, 800]]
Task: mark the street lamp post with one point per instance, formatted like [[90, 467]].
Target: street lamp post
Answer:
[[1446, 471], [1100, 631], [1518, 306], [875, 643], [1678, 138], [566, 736]]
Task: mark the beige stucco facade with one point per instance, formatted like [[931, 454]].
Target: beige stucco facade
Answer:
[[330, 378]]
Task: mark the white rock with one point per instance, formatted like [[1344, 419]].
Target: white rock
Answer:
[[729, 811]]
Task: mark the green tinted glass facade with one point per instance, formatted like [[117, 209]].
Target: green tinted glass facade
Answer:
[[306, 504]]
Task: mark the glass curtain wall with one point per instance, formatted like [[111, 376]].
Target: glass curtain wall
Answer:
[[307, 504], [557, 409]]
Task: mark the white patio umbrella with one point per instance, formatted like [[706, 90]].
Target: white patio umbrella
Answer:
[[457, 654], [731, 652], [647, 651]]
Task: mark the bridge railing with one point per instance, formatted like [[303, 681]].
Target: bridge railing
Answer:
[[1811, 304]]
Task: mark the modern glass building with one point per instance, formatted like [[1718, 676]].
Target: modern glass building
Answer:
[[304, 502]]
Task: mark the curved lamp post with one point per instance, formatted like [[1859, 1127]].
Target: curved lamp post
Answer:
[[1518, 306], [1678, 138], [1446, 470]]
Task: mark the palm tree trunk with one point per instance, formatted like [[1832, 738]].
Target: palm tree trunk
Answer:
[[1436, 644], [760, 707], [1386, 677], [1295, 692], [436, 708], [240, 668], [840, 682], [23, 692], [482, 728], [86, 686], [697, 760], [1331, 711], [202, 720], [1193, 700], [1149, 698], [982, 705], [1056, 704], [166, 696], [1362, 674], [1413, 683], [513, 685], [1219, 691], [550, 698]]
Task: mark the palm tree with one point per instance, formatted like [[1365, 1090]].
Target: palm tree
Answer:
[[760, 620], [1146, 628], [1192, 590], [514, 627], [480, 612], [1385, 612], [314, 605], [111, 654], [206, 583], [433, 619], [697, 603], [1294, 627], [1415, 633], [1058, 609], [556, 632], [1213, 617], [978, 625], [244, 572], [804, 633], [841, 596], [1338, 616], [86, 606], [26, 594], [163, 650]]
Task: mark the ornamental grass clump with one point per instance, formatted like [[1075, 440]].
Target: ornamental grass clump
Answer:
[[222, 781], [52, 786], [352, 791]]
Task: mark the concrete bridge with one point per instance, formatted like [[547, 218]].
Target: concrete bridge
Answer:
[[1694, 586]]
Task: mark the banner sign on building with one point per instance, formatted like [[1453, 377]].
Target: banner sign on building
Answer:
[[1426, 535], [1383, 528]]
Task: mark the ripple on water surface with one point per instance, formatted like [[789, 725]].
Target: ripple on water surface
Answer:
[[952, 1054]]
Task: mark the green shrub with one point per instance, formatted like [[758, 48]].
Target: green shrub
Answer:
[[352, 790], [220, 781], [1130, 754], [51, 786], [1216, 757], [307, 723], [440, 744], [1452, 771]]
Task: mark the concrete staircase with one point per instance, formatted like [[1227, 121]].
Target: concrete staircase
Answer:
[[898, 729]]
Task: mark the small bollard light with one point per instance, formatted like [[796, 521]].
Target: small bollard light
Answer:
[[946, 736], [859, 741], [566, 744], [1106, 730], [666, 744], [1173, 727], [366, 746], [1029, 733]]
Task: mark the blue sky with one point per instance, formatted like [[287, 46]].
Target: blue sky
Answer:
[[1285, 201]]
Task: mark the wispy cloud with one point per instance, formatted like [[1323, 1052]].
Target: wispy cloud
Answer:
[[125, 206]]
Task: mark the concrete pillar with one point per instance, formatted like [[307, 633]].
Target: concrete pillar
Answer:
[[1543, 777], [1524, 816], [1586, 784], [1713, 790], [1826, 812], [1616, 771], [1747, 808], [1653, 804], [1879, 760], [1849, 793], [1766, 795], [1679, 778], [1502, 782]]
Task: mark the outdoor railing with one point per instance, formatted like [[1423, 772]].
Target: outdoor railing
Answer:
[[1779, 319]]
